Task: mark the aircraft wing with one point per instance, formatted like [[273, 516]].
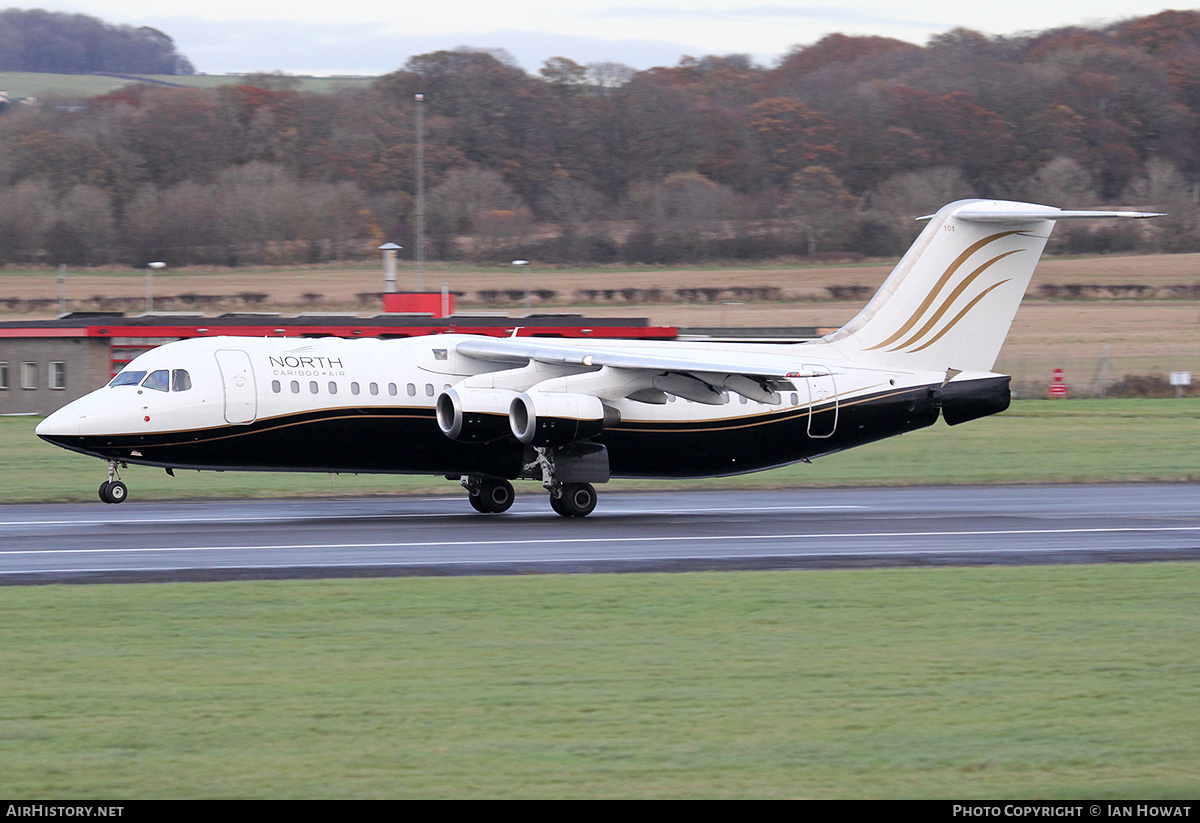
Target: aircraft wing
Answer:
[[649, 373], [522, 350]]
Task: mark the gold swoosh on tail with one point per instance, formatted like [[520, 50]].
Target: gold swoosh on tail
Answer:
[[941, 284], [960, 315], [949, 301]]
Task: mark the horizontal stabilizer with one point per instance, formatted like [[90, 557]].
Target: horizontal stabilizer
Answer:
[[981, 214]]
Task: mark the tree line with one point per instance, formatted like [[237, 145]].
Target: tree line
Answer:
[[43, 41], [832, 151]]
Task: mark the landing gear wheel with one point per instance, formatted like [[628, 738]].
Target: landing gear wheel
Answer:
[[113, 491], [117, 492], [578, 500], [494, 496]]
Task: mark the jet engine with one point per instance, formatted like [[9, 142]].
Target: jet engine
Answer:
[[474, 415], [558, 418]]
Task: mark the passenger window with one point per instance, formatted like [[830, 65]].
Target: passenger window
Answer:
[[180, 380], [158, 380], [374, 388], [128, 378], [412, 390], [354, 388], [295, 387], [332, 387], [312, 387], [275, 387], [429, 389], [392, 389], [795, 399]]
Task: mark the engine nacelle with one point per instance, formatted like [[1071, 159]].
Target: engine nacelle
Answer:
[[474, 415], [558, 418]]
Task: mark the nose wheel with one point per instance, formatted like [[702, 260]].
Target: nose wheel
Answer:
[[113, 490]]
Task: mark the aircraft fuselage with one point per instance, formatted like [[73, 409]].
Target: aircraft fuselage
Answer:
[[334, 405]]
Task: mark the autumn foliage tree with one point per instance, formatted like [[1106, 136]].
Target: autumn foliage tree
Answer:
[[832, 150]]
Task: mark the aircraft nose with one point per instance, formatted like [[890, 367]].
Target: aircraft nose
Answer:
[[65, 421]]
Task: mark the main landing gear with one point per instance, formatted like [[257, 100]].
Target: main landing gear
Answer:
[[573, 499], [568, 496], [489, 495], [113, 490]]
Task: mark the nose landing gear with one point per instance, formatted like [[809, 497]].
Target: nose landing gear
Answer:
[[113, 490]]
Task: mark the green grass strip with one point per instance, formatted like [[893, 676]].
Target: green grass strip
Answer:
[[1044, 682]]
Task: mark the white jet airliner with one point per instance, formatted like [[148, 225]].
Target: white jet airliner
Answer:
[[572, 413]]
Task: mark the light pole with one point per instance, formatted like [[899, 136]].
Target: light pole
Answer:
[[150, 267], [525, 263], [419, 102]]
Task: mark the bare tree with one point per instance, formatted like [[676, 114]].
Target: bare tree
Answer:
[[1165, 189], [468, 192], [27, 214], [84, 229]]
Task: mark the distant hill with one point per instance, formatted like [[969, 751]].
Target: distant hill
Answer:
[[44, 85], [43, 41]]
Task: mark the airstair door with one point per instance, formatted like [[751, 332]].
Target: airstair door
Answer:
[[822, 402], [237, 377]]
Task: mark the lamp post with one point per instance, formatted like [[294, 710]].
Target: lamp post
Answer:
[[525, 264], [419, 102], [150, 267]]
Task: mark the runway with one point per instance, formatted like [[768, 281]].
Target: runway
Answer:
[[630, 531]]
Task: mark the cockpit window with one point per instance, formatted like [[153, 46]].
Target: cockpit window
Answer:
[[180, 380], [128, 378], [158, 380]]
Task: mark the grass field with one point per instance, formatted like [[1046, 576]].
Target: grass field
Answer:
[[80, 86], [339, 283], [1050, 682], [1036, 441]]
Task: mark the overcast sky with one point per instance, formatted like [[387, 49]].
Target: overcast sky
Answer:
[[378, 36]]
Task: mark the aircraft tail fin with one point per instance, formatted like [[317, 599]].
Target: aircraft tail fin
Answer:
[[948, 304]]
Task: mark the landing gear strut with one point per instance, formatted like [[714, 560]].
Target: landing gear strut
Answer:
[[113, 490], [489, 495], [567, 499]]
